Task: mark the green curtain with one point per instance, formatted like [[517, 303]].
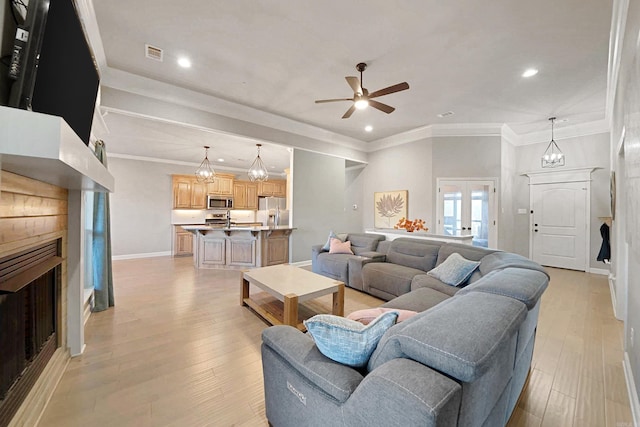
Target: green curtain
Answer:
[[102, 276]]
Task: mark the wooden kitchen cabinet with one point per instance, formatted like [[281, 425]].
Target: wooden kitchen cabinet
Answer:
[[274, 188], [222, 185], [245, 195], [188, 193], [183, 243], [198, 195], [182, 192]]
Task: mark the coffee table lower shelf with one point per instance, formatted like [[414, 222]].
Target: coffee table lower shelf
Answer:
[[290, 302]]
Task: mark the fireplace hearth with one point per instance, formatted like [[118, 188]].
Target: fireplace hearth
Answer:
[[30, 289]]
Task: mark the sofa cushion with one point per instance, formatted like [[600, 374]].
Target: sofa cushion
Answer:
[[419, 300], [469, 252], [364, 242], [332, 235], [502, 260], [414, 253], [455, 270], [334, 265], [459, 337], [530, 285], [337, 246], [426, 281], [347, 341], [391, 279], [368, 315]]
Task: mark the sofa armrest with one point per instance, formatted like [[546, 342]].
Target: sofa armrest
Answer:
[[300, 353], [315, 251], [404, 392], [357, 263]]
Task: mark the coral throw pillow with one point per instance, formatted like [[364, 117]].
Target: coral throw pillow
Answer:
[[339, 247]]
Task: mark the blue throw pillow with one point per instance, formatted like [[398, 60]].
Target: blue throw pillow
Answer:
[[347, 341], [455, 270], [341, 236]]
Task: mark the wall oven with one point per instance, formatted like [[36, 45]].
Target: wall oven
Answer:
[[219, 202]]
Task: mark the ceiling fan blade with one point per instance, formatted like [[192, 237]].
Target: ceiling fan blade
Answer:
[[320, 101], [349, 112], [380, 106], [355, 84], [390, 89]]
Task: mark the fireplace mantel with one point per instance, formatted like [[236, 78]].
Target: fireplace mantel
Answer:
[[45, 148]]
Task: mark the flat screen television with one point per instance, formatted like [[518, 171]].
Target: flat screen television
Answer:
[[56, 71]]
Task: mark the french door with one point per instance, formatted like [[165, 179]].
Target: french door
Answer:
[[467, 207]]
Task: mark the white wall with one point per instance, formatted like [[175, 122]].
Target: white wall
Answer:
[[507, 211], [354, 181], [580, 152], [318, 185], [141, 206], [626, 110], [465, 157], [405, 167]]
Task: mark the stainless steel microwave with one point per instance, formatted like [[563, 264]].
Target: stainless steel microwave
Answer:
[[219, 202]]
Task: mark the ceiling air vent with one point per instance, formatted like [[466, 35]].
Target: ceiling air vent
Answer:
[[153, 52]]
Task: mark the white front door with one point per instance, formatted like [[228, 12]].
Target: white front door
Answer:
[[559, 224], [467, 207]]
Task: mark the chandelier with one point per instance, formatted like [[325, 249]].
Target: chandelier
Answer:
[[257, 171], [205, 172], [552, 156]]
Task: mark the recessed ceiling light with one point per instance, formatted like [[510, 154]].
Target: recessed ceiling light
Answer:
[[445, 114], [368, 128], [530, 72], [221, 160], [184, 62]]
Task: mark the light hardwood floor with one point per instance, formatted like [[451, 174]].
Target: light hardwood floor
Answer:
[[179, 350]]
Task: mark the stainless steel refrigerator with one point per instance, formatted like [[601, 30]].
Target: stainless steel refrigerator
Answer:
[[272, 211]]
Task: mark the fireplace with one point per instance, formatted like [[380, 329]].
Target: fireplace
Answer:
[[30, 290]]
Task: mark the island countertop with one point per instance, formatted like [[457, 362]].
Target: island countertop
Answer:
[[204, 227]]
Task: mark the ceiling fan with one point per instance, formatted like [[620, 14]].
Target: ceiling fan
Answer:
[[361, 96]]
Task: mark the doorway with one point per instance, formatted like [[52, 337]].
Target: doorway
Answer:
[[467, 207], [559, 222], [559, 225]]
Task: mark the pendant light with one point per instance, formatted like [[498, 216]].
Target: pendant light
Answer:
[[257, 171], [552, 156], [205, 172]]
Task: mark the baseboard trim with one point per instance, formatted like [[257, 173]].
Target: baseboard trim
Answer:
[[631, 389], [301, 263], [143, 255], [614, 300], [601, 271]]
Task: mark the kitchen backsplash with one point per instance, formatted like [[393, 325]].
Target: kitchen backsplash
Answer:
[[197, 216]]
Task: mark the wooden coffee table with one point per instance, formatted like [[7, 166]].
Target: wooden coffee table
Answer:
[[290, 285]]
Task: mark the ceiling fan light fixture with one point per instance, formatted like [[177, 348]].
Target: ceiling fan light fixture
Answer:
[[553, 156], [205, 173], [361, 103], [257, 171]]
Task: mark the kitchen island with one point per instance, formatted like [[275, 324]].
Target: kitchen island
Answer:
[[238, 246]]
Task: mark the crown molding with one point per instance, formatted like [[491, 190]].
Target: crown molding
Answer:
[[509, 135]]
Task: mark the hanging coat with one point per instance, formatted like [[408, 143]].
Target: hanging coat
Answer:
[[605, 249]]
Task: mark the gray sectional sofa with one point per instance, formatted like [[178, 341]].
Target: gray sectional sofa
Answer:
[[462, 360]]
